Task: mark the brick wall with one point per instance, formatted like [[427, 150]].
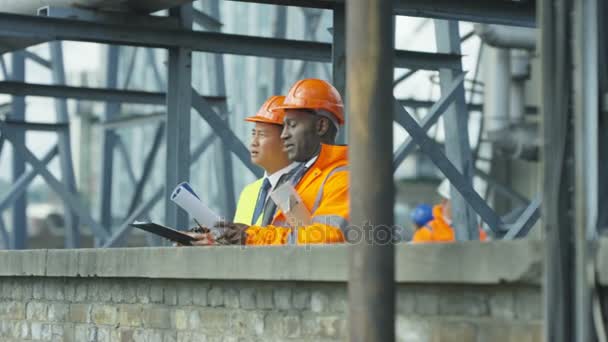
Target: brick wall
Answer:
[[139, 309]]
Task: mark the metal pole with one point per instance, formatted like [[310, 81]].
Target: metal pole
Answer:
[[279, 31], [371, 288], [71, 234], [338, 59], [456, 122], [586, 115], [556, 183], [19, 237], [179, 104], [108, 141]]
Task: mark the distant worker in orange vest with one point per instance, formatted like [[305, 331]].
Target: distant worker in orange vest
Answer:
[[313, 113], [440, 228]]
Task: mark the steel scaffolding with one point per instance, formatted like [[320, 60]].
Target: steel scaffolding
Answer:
[[362, 62]]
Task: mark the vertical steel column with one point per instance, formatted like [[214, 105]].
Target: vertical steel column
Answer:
[[19, 237], [72, 239], [223, 154], [108, 141], [586, 113], [279, 31], [371, 288], [179, 104], [338, 60], [556, 177], [456, 123]]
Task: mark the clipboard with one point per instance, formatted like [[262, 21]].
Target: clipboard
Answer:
[[166, 232]]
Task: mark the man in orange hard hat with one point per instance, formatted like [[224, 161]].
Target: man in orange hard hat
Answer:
[[313, 111]]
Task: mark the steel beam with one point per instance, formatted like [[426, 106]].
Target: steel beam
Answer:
[[162, 84], [130, 68], [525, 222], [124, 229], [500, 188], [74, 201], [64, 29], [20, 186], [279, 31], [458, 181], [34, 126], [108, 17], [456, 122], [471, 107], [89, 94], [121, 232], [108, 142], [19, 222], [338, 58], [147, 167], [219, 126], [82, 93], [71, 229], [206, 21], [179, 104], [124, 154], [429, 120], [223, 157], [404, 77], [133, 121], [34, 57], [371, 284], [515, 13]]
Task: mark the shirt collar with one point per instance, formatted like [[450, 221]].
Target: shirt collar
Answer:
[[274, 178]]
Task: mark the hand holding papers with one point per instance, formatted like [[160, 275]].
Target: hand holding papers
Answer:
[[185, 197], [290, 203]]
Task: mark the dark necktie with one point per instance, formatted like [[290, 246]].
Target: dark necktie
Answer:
[[259, 205]]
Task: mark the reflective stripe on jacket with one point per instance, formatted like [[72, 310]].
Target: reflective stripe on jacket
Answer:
[[324, 191]]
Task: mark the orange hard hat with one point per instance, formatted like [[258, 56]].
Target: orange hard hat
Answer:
[[312, 93], [268, 113]]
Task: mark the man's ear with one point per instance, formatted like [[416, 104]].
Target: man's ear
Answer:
[[322, 126]]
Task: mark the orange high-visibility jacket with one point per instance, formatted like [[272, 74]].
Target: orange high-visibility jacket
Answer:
[[324, 192], [438, 230]]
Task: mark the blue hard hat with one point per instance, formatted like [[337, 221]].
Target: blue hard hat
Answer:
[[422, 214]]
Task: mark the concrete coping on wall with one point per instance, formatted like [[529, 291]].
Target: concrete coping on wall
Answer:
[[487, 263]]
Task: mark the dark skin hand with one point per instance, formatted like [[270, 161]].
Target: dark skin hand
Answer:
[[234, 233]]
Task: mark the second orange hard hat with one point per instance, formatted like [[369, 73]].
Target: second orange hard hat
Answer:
[[312, 93]]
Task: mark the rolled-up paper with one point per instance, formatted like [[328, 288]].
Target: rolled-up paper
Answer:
[[185, 197]]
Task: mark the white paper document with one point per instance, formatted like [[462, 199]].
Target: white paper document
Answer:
[[185, 197], [290, 203]]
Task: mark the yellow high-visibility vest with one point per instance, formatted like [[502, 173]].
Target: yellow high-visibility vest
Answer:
[[247, 202]]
